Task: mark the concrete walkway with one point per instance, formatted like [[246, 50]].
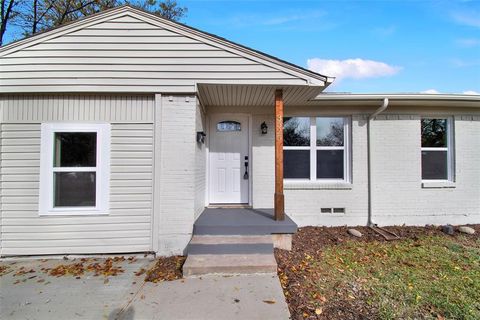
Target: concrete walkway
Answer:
[[126, 296]]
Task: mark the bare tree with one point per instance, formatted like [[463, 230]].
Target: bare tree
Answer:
[[33, 16], [41, 15], [168, 9], [6, 15]]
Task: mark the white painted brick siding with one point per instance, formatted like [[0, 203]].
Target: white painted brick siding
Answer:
[[304, 206], [200, 163], [398, 194], [178, 173]]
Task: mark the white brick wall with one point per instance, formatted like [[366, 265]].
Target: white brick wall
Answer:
[[398, 194], [304, 205], [263, 158], [200, 163], [178, 172]]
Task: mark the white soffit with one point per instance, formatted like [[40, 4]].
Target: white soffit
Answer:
[[233, 95]]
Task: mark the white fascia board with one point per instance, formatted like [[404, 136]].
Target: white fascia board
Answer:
[[398, 97]]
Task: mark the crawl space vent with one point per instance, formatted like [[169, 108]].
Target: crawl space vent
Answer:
[[332, 210]]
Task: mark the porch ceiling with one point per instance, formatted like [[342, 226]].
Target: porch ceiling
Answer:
[[234, 95]]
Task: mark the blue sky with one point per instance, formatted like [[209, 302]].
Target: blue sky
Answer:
[[371, 46]]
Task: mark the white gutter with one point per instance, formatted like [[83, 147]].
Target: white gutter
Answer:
[[382, 108], [396, 96]]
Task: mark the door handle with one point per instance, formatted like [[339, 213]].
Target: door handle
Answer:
[[245, 175]]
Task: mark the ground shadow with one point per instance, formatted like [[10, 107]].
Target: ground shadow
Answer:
[[122, 314]]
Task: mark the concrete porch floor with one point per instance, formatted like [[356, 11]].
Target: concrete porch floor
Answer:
[[241, 221]]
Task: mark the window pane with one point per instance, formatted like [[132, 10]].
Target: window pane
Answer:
[[229, 126], [330, 131], [434, 132], [434, 165], [75, 149], [74, 189], [330, 164], [296, 164], [296, 131]]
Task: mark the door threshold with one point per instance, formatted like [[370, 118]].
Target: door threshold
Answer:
[[229, 205]]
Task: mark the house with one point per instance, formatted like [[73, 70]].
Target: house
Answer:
[[118, 130]]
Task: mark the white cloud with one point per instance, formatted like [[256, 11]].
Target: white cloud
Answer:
[[385, 31], [352, 68], [468, 42], [430, 91], [434, 91], [276, 19], [279, 20], [471, 19], [471, 92]]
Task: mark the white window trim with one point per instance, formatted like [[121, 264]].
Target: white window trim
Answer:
[[450, 152], [313, 154], [47, 169]]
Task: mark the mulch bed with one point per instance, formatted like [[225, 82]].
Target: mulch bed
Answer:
[[294, 270]]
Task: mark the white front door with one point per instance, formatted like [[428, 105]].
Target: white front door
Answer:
[[229, 152]]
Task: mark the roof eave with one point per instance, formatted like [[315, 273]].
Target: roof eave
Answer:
[[396, 96], [309, 76]]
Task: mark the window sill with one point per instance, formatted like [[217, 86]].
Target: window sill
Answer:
[[317, 185], [72, 213], [438, 184]]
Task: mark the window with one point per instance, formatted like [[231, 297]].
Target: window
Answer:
[[225, 126], [437, 153], [315, 148], [74, 176]]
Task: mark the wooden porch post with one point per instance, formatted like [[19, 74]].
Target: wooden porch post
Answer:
[[279, 206]]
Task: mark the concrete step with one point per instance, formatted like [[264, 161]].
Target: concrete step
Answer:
[[201, 264], [222, 239], [230, 230], [230, 248]]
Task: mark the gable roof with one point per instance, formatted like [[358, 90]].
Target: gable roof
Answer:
[[283, 73]]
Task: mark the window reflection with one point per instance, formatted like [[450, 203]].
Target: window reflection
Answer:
[[225, 126]]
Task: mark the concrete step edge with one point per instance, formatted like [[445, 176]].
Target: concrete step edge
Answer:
[[230, 248], [229, 264], [231, 239]]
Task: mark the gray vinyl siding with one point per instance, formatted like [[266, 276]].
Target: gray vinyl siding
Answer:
[[74, 107], [127, 227], [127, 54]]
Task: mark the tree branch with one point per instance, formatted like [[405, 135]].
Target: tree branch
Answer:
[[5, 16]]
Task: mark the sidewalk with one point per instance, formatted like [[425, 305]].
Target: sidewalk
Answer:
[[126, 296]]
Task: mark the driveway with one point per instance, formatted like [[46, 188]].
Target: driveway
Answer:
[[28, 291]]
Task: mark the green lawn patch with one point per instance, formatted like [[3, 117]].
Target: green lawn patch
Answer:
[[430, 276]]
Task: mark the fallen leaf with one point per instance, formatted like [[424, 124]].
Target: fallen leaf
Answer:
[[318, 311], [269, 301]]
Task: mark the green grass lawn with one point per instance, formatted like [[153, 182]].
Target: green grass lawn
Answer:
[[433, 277]]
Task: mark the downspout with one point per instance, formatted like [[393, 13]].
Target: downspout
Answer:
[[369, 158]]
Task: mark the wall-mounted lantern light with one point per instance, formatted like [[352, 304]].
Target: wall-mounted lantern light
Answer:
[[201, 136], [264, 128]]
